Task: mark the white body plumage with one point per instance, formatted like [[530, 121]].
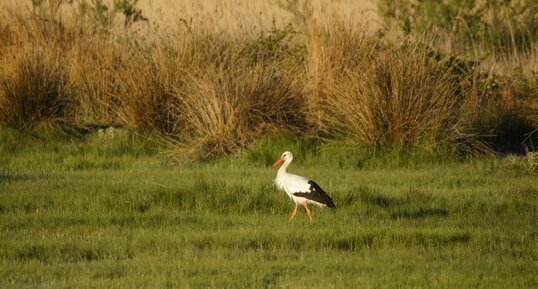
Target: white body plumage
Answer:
[[291, 183]]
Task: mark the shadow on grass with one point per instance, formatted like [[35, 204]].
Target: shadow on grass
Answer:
[[67, 253], [7, 176], [380, 200], [420, 213]]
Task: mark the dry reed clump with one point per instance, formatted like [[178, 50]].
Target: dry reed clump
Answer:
[[367, 92], [32, 83], [333, 48], [92, 65], [145, 101], [32, 72], [226, 108], [399, 98], [233, 90]]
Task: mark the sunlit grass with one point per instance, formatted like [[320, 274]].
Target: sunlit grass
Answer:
[[86, 214]]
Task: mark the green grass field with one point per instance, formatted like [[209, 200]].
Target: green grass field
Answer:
[[112, 213]]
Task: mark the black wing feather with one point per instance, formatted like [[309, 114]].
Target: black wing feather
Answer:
[[316, 194]]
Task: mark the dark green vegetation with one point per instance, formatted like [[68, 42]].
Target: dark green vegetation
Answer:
[[108, 212], [495, 25]]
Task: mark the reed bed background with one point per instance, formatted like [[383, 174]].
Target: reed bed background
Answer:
[[212, 78]]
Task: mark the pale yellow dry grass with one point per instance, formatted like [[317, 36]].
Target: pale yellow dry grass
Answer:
[[253, 15], [248, 16]]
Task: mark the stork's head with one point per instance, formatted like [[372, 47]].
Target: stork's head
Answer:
[[286, 157]]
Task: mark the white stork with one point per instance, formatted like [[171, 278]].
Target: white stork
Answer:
[[301, 190]]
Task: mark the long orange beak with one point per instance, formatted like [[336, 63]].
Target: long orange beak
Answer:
[[277, 163]]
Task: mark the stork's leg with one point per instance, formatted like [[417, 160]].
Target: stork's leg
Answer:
[[308, 212], [293, 213]]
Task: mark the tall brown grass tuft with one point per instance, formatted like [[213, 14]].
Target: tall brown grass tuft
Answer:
[[144, 93], [400, 97], [93, 64], [32, 88], [333, 48], [367, 91], [226, 108]]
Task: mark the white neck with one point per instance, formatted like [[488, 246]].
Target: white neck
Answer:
[[282, 170]]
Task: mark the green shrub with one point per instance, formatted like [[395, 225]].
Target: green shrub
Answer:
[[496, 24]]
